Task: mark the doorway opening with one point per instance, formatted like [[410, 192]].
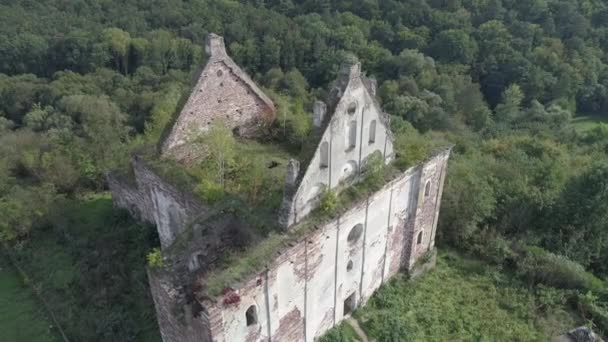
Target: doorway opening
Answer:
[[350, 304]]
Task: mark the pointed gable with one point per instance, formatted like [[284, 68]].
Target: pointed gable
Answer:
[[223, 93], [356, 129]]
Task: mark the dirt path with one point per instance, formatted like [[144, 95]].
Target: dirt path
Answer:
[[353, 323]]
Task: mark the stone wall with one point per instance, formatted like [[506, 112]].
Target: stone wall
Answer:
[[177, 322], [223, 93], [153, 199], [303, 292]]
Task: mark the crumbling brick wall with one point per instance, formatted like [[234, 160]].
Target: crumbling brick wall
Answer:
[[223, 94], [155, 200], [176, 320]]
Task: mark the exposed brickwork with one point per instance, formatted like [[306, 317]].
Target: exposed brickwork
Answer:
[[223, 93], [426, 209], [299, 265], [177, 322], [291, 327], [396, 245]]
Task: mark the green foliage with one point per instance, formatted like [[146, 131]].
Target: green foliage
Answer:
[[210, 191], [328, 203], [449, 303], [539, 266], [220, 147], [374, 170], [71, 278], [22, 317], [410, 147], [162, 114], [155, 258], [469, 199], [591, 306], [344, 333], [580, 217]]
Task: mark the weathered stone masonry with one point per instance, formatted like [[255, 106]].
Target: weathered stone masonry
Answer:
[[223, 93], [315, 282], [155, 200]]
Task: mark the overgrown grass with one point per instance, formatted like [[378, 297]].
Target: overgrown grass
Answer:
[[89, 264], [22, 317], [464, 299]]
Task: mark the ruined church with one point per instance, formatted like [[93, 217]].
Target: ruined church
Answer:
[[325, 269]]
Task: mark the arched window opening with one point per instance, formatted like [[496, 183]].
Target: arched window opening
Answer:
[[355, 233], [372, 132], [220, 73], [324, 155], [352, 108], [251, 316], [349, 266], [352, 134], [427, 189], [419, 239]]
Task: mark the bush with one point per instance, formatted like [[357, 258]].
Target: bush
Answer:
[[495, 250], [541, 267], [210, 191], [155, 258], [373, 170], [589, 306], [329, 203], [410, 146]]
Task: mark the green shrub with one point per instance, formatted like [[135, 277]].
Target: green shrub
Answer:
[[541, 267], [373, 170], [210, 191], [329, 203], [155, 258], [410, 146], [496, 250], [342, 333], [591, 307]]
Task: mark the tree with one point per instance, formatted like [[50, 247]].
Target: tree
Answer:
[[118, 42], [581, 218], [220, 146], [510, 107], [454, 46]]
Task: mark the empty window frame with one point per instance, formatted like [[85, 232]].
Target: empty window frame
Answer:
[[251, 316], [354, 234], [324, 155], [352, 134], [372, 132], [419, 238]]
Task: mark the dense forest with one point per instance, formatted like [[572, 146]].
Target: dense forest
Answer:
[[519, 87]]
